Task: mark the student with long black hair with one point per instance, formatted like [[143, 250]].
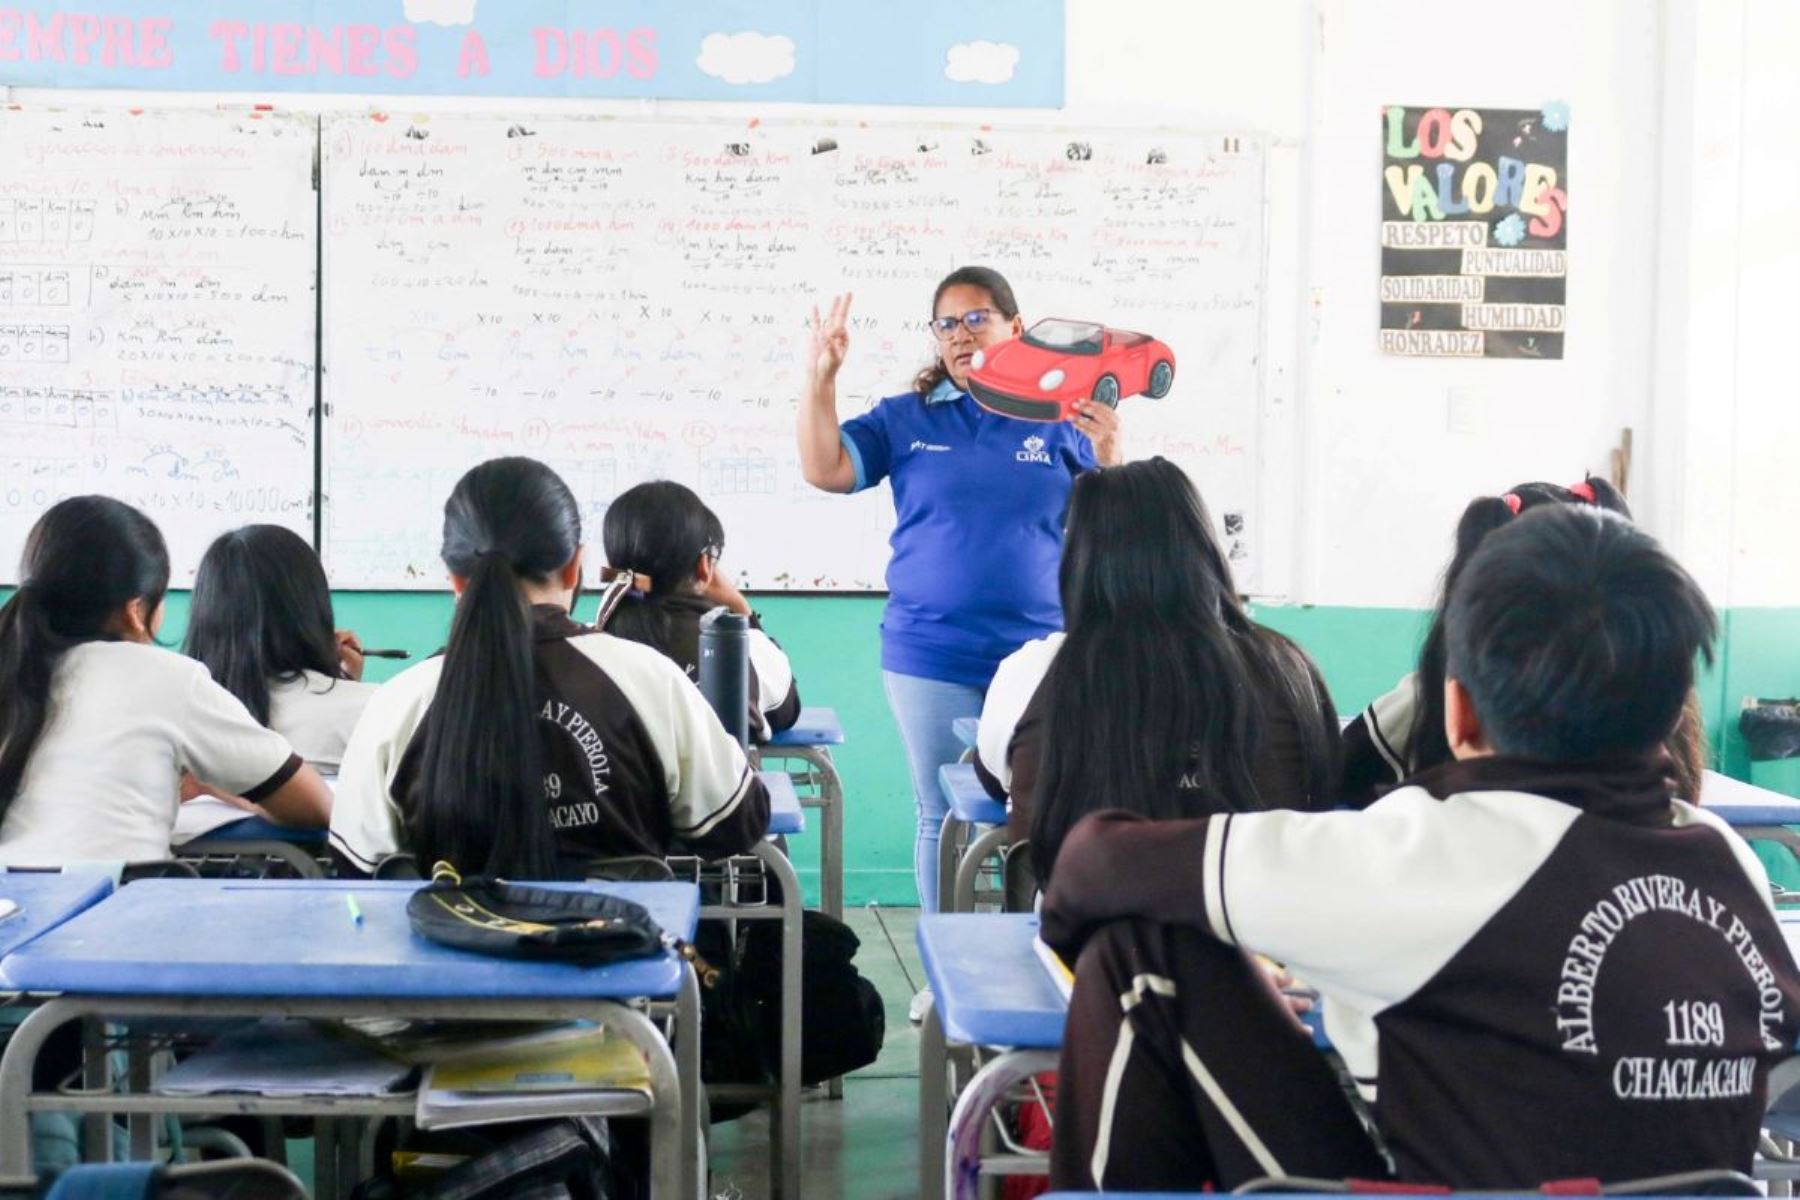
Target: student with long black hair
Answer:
[[534, 745], [1163, 698], [98, 724], [261, 620], [669, 542], [1402, 732]]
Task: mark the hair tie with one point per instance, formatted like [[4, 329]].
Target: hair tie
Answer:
[[1512, 502], [1583, 491], [640, 584]]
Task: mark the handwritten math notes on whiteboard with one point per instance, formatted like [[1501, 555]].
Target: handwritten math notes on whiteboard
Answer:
[[157, 320], [627, 300]]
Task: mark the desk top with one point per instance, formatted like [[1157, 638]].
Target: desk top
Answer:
[[987, 983], [816, 727], [46, 899], [967, 730], [1738, 803], [235, 938], [968, 800], [785, 813]]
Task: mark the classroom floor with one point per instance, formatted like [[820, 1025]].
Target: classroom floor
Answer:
[[865, 1146]]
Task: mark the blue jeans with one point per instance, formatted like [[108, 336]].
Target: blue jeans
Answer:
[[924, 709]]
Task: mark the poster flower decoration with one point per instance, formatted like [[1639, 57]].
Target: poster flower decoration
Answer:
[[1556, 117], [1510, 231]]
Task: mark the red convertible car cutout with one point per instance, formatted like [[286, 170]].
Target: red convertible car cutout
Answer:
[[1040, 376]]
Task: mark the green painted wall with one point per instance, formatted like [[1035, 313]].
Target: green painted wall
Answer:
[[835, 646]]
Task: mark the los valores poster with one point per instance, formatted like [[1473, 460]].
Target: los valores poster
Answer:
[[1474, 231]]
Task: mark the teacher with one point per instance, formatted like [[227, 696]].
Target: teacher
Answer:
[[978, 501]]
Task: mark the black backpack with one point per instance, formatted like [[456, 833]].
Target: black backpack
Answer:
[[843, 1023]]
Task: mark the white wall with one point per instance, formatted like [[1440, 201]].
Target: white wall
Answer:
[[1368, 459]]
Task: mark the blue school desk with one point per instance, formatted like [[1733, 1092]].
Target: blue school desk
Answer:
[[205, 948], [809, 743], [259, 837], [988, 989], [46, 899], [971, 808], [785, 814], [1746, 806]]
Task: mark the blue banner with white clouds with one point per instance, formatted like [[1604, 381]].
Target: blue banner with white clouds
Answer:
[[1006, 53]]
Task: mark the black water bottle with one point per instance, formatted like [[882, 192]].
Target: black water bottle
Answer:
[[725, 669]]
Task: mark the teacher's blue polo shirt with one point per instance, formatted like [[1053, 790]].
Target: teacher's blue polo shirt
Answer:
[[979, 502]]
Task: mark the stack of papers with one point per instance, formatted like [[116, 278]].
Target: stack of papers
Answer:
[[282, 1057]]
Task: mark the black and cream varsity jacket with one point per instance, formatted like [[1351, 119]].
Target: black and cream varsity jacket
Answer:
[[1535, 970]]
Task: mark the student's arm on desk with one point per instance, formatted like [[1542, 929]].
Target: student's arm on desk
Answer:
[[303, 802], [1366, 904]]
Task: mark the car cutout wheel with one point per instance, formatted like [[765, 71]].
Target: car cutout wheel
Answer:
[[1162, 378], [1106, 391]]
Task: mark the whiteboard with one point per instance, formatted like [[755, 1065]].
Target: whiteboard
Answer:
[[626, 300], [157, 320]]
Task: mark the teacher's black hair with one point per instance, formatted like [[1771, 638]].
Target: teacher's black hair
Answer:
[[999, 292], [1158, 696], [482, 806], [261, 611], [85, 560]]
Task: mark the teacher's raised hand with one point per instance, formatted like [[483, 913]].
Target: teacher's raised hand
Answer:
[[830, 338], [822, 459]]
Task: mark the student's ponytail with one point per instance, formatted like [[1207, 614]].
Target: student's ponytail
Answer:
[[85, 560], [657, 531], [481, 806]]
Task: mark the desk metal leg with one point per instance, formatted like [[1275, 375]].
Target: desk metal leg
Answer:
[[968, 867], [828, 799], [933, 1105], [961, 1146], [96, 1077], [687, 1066], [786, 1117], [948, 835]]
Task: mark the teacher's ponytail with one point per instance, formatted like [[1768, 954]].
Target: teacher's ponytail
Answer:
[[989, 281]]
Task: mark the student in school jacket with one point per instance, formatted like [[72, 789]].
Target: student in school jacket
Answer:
[[635, 762], [1535, 960], [674, 631]]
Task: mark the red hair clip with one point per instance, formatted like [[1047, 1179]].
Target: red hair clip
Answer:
[[1583, 491], [1512, 501]]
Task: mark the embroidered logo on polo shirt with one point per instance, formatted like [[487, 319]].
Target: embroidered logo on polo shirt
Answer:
[[1034, 451], [933, 447]]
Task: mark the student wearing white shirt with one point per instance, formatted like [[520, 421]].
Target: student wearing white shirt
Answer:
[[261, 623], [97, 725]]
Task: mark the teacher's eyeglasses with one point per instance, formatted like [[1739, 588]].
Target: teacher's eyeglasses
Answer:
[[975, 320]]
